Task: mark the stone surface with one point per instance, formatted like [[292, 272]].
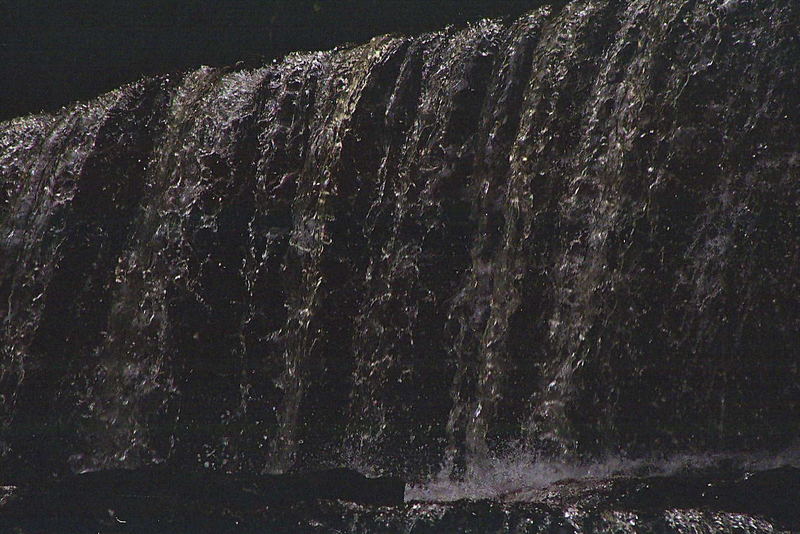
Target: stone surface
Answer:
[[155, 501]]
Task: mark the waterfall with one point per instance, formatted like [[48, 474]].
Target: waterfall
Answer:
[[575, 234]]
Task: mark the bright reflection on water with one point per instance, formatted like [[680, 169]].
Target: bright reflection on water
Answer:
[[513, 477]]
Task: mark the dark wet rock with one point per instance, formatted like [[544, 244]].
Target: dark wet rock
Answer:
[[164, 494], [225, 489], [160, 501], [774, 494]]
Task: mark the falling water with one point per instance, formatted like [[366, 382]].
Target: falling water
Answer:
[[574, 234]]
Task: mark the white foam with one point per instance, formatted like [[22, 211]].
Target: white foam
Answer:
[[508, 478]]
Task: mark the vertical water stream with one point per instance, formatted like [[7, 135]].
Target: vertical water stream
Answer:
[[571, 234]]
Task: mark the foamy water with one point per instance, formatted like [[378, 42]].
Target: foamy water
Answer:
[[502, 478]]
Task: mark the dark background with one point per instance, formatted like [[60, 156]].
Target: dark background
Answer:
[[54, 52]]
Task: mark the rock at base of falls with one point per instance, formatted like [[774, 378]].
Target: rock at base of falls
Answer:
[[157, 501]]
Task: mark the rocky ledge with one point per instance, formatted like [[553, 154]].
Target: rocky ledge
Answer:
[[161, 500]]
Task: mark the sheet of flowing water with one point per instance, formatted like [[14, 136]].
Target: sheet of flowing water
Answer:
[[576, 232]]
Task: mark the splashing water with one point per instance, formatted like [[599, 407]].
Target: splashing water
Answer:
[[512, 477]]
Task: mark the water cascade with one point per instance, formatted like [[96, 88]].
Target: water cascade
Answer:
[[573, 236]]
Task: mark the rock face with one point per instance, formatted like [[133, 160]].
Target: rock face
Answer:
[[162, 492], [576, 233]]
